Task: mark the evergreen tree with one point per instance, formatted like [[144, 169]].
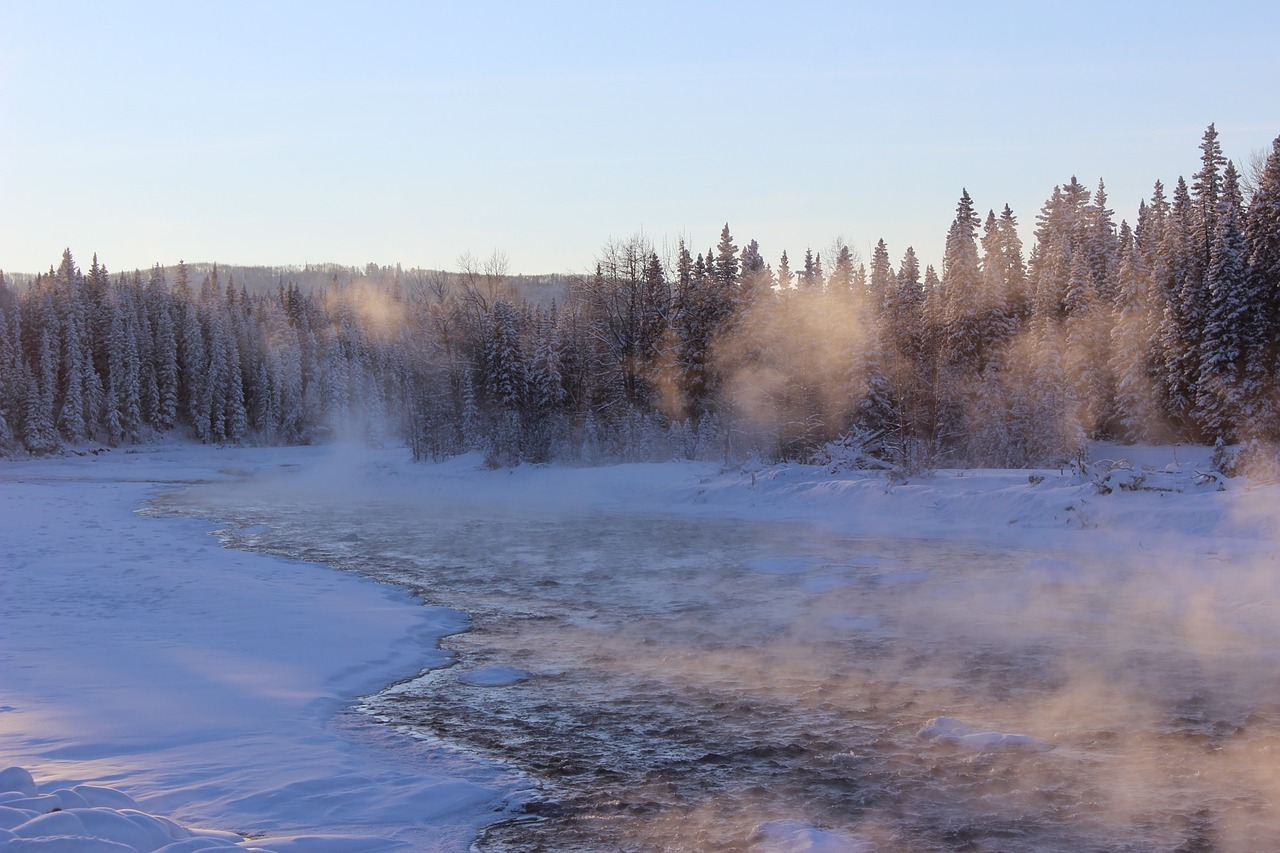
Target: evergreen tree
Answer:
[[166, 351], [1206, 185], [726, 266], [842, 274], [1262, 357], [786, 279], [1182, 325], [1135, 412], [882, 283], [39, 434], [1220, 393], [505, 371], [811, 277], [1101, 245], [961, 299]]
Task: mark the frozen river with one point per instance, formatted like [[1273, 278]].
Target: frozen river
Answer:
[[709, 684]]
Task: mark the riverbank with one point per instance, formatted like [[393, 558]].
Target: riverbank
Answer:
[[213, 686]]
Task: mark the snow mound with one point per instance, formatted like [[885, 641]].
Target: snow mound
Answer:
[[92, 819], [793, 836], [952, 731], [17, 780]]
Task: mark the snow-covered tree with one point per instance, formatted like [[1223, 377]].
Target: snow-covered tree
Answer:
[[1220, 402]]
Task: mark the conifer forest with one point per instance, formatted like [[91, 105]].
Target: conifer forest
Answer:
[[1160, 329]]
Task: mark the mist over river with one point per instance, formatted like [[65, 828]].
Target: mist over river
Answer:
[[696, 683]]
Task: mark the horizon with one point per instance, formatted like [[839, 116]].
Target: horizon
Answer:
[[304, 135]]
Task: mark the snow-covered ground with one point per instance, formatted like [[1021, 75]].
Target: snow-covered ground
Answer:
[[213, 687]]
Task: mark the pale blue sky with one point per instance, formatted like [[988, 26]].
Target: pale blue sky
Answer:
[[288, 133]]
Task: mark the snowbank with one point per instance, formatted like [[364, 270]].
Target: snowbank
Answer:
[[212, 686], [93, 819]]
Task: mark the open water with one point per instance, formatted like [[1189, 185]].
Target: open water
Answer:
[[678, 684]]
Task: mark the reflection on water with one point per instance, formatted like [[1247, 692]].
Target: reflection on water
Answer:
[[674, 683]]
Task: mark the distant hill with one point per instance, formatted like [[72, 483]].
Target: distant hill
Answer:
[[539, 290]]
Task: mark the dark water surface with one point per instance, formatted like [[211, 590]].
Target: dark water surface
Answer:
[[673, 683]]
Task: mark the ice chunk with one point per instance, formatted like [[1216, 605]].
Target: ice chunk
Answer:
[[950, 730], [793, 836]]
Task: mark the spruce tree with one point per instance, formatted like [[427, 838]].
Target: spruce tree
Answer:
[[1182, 325], [882, 283], [786, 279], [1220, 401], [963, 341], [1206, 185], [1135, 411], [1262, 230]]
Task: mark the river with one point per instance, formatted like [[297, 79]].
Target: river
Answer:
[[711, 684]]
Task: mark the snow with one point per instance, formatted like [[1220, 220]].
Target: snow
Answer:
[[156, 684], [212, 686]]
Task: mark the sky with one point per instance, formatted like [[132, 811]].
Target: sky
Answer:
[[288, 133]]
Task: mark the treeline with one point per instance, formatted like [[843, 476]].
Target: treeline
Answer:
[[1166, 330]]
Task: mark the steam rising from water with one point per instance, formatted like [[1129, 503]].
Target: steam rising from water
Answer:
[[694, 679]]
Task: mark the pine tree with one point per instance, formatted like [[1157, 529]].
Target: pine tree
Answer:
[[811, 275], [1014, 268], [786, 279], [842, 274], [684, 273], [1262, 357], [1182, 325], [470, 420], [1220, 400], [71, 416], [1206, 185], [237, 416], [726, 267], [193, 361], [6, 431], [882, 283], [1135, 411], [39, 434], [1101, 245], [756, 279], [166, 351], [505, 373], [963, 341]]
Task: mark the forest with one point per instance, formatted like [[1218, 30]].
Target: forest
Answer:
[[1160, 331]]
